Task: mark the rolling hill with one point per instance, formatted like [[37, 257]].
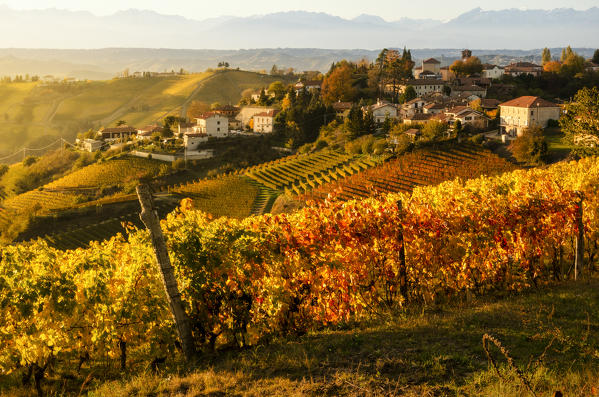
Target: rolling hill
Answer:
[[34, 114]]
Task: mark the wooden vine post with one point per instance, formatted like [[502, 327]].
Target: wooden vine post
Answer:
[[150, 218], [403, 276], [579, 258]]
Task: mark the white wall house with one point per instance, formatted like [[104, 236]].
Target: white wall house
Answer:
[[264, 122], [520, 113], [92, 145], [492, 71], [247, 112], [192, 141], [424, 86], [381, 111], [212, 124]]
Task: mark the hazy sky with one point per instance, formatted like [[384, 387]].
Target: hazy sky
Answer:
[[388, 9]]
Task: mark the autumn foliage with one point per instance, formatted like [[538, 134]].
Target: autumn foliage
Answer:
[[243, 281]]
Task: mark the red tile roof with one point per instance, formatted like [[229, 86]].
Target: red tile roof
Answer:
[[431, 60], [529, 102], [269, 113]]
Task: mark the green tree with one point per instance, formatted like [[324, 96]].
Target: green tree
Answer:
[[582, 114], [596, 57], [278, 89], [120, 123], [434, 130], [408, 94], [531, 147], [546, 55]]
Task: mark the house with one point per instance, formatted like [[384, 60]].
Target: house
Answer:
[[309, 85], [212, 124], [382, 110], [466, 115], [591, 67], [235, 124], [489, 104], [520, 113], [413, 133], [433, 108], [424, 86], [193, 140], [226, 110], [264, 122], [430, 68], [147, 131], [523, 68], [92, 145], [342, 109], [418, 118], [492, 71], [247, 112], [114, 133], [447, 74], [256, 95], [468, 90], [185, 128], [412, 107]]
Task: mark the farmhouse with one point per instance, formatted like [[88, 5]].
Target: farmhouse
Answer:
[[520, 68], [114, 133], [192, 141], [518, 114], [342, 109], [466, 115], [309, 85], [264, 122], [381, 111], [247, 112], [212, 124], [147, 131], [92, 145]]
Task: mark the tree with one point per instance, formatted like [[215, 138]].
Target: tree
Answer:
[[434, 129], [546, 55], [446, 90], [278, 89], [409, 94], [531, 146], [552, 67], [596, 57], [337, 86], [573, 63], [120, 123], [582, 115]]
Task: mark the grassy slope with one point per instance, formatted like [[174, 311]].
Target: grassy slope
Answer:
[[435, 351], [34, 115]]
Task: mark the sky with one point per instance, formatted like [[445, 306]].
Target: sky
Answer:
[[389, 10]]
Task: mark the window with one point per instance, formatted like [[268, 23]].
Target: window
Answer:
[[218, 129], [532, 112]]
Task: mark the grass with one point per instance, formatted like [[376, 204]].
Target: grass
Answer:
[[34, 115], [558, 150], [550, 333]]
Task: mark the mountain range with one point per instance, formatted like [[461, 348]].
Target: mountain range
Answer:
[[511, 28], [81, 44]]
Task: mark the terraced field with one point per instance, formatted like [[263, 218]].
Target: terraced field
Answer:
[[300, 174], [229, 195], [109, 173], [421, 168]]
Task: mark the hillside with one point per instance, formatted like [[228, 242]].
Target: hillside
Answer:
[[421, 168], [345, 298], [35, 114]]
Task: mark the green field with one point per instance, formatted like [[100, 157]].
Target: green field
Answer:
[[36, 114]]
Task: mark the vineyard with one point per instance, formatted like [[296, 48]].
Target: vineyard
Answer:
[[299, 174], [421, 168], [230, 195], [243, 281], [116, 172]]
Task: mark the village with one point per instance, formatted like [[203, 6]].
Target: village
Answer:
[[453, 95]]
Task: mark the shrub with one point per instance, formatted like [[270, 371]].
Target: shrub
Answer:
[[531, 147]]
